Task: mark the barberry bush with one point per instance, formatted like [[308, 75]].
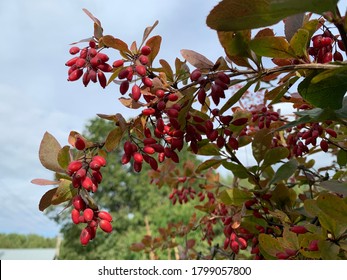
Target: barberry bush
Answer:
[[287, 200]]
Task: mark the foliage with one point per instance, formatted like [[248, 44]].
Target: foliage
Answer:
[[21, 241], [281, 204]]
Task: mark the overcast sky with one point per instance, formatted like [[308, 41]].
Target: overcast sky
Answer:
[[36, 97]]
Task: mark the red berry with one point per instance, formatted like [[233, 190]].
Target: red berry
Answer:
[[78, 203], [235, 247], [137, 166], [75, 75], [331, 132], [103, 215], [123, 73], [148, 111], [85, 236], [95, 165], [341, 45], [146, 50], [195, 75], [87, 183], [124, 86], [147, 82], [282, 256], [74, 50], [100, 159], [324, 145], [72, 61], [138, 157], [80, 144], [141, 70], [88, 214], [313, 246], [338, 56], [136, 92], [103, 57], [75, 216], [102, 79], [74, 166], [143, 59], [298, 229], [118, 63], [105, 226]]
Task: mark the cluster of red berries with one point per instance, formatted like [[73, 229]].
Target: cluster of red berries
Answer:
[[94, 218], [86, 177], [138, 68], [91, 60], [298, 142], [322, 47], [264, 117], [182, 195], [218, 84]]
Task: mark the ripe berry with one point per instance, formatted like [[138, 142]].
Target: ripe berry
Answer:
[[324, 145], [141, 70], [100, 159], [147, 82], [313, 246], [148, 111], [143, 59], [72, 61], [103, 215], [102, 79], [80, 144], [74, 166], [105, 226], [298, 229], [331, 132], [118, 63], [88, 214], [87, 183], [75, 75], [124, 86], [85, 236], [137, 166], [136, 92], [75, 215], [235, 247], [338, 56], [146, 50], [95, 165], [78, 203], [74, 50], [195, 75], [138, 157]]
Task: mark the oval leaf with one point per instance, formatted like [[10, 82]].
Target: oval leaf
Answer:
[[44, 182], [285, 171], [208, 164], [196, 59], [48, 153], [232, 15], [113, 139], [277, 47]]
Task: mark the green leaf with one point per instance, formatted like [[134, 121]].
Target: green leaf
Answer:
[[325, 93], [335, 186], [299, 42], [64, 192], [208, 149], [334, 207], [235, 43], [282, 196], [329, 250], [269, 46], [284, 171], [214, 162], [234, 196], [342, 158], [238, 170], [233, 15], [64, 157], [236, 97], [113, 139], [269, 246], [261, 144], [48, 153], [274, 155]]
